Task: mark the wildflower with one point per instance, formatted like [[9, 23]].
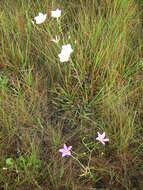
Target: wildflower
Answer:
[[65, 53], [56, 13], [56, 40], [101, 138], [64, 57], [67, 48], [65, 151], [40, 18]]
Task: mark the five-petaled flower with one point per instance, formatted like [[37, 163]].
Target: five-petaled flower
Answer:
[[56, 13], [65, 151], [65, 53], [102, 138], [40, 18]]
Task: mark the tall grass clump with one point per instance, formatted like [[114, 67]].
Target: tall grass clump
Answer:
[[46, 103]]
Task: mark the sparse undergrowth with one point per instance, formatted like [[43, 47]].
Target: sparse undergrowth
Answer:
[[45, 103]]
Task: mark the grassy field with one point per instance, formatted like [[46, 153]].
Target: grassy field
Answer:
[[46, 103]]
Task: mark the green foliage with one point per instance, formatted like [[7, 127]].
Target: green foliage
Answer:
[[9, 162], [3, 82], [45, 103]]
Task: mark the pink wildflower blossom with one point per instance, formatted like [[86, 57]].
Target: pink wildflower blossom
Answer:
[[65, 151], [102, 138]]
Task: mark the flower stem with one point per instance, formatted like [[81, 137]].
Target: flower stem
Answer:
[[78, 162]]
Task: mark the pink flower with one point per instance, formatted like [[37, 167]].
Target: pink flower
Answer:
[[65, 151], [101, 138]]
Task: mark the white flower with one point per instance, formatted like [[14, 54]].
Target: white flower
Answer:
[[64, 57], [65, 53], [40, 18], [56, 13], [67, 48]]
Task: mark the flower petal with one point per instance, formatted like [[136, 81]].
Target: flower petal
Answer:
[[105, 140], [56, 13], [70, 147], [61, 150], [67, 48], [64, 57], [98, 134], [64, 154], [65, 147], [40, 18], [69, 153], [103, 135], [40, 14], [98, 138], [102, 142]]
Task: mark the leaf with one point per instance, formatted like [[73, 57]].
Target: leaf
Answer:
[[9, 161]]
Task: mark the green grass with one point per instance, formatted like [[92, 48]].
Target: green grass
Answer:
[[45, 103]]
